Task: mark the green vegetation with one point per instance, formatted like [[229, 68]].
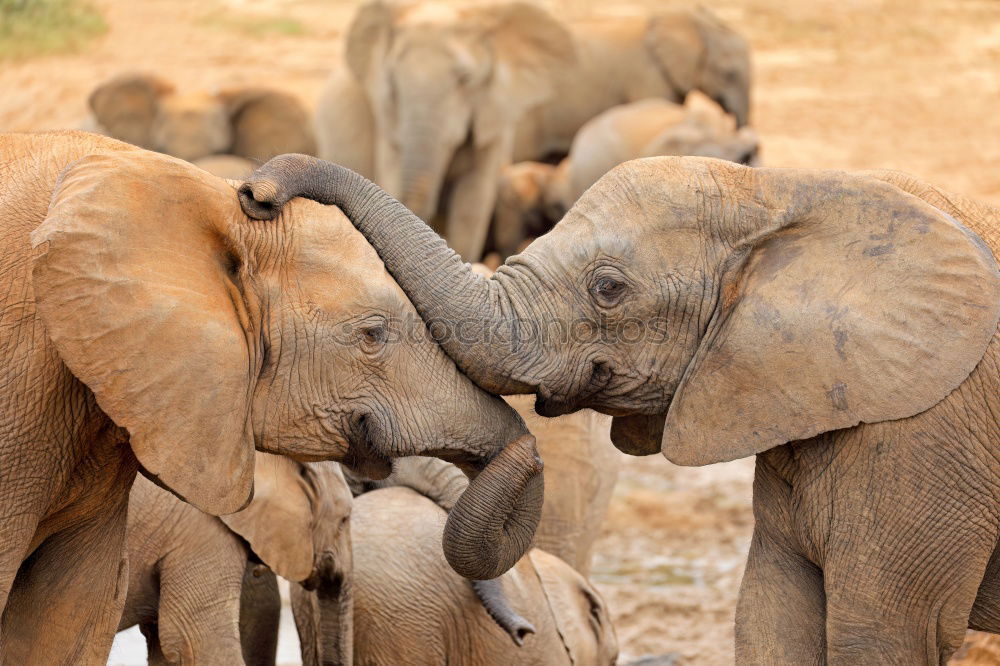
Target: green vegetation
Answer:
[[255, 26], [39, 27]]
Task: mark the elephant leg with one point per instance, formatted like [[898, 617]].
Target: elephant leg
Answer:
[[260, 615], [473, 198], [900, 589], [781, 616], [199, 613], [68, 596]]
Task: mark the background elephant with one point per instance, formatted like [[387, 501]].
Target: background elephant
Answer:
[[178, 347], [621, 59], [411, 608], [188, 570], [253, 123], [230, 167], [444, 88], [840, 327], [533, 196], [456, 94]]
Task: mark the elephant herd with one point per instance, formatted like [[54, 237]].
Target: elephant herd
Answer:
[[229, 355]]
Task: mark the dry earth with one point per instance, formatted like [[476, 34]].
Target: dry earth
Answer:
[[852, 84]]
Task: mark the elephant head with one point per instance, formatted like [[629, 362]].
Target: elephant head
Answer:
[[530, 198], [696, 51], [714, 310], [205, 334], [443, 78], [301, 529], [298, 524], [254, 123]]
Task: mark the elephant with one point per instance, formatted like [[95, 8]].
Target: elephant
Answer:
[[622, 59], [841, 327], [411, 608], [147, 324], [202, 588], [452, 95], [252, 123], [533, 196]]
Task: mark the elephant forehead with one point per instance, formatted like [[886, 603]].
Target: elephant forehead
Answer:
[[335, 259]]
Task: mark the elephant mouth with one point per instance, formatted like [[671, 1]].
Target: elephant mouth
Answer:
[[550, 404], [363, 456]]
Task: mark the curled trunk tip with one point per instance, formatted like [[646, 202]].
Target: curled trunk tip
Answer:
[[493, 523]]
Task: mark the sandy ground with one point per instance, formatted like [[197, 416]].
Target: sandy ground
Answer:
[[904, 84]]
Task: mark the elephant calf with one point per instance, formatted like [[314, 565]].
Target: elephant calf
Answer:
[[147, 324], [533, 196], [410, 608], [197, 587]]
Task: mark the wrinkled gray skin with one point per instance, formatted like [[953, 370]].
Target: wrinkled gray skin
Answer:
[[203, 588], [842, 326], [435, 618]]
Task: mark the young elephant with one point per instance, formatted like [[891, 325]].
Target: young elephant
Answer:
[[253, 123], [842, 327], [410, 608], [532, 196], [147, 323], [196, 585]]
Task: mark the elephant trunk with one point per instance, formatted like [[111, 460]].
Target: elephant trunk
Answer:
[[473, 318], [422, 169], [491, 595], [492, 524], [336, 626], [323, 607]]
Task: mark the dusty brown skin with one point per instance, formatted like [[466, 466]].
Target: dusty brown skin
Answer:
[[297, 526], [252, 123], [837, 322], [454, 93], [148, 323], [435, 618]]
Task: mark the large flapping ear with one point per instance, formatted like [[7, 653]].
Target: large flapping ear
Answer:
[[858, 303], [529, 45], [134, 282], [369, 36], [267, 123], [126, 106], [278, 521]]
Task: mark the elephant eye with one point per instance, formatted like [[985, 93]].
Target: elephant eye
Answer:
[[607, 291], [373, 336]]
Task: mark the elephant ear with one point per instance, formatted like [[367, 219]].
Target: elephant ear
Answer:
[[267, 123], [578, 612], [134, 284], [126, 106], [369, 37], [529, 45], [678, 49], [861, 304], [278, 521]]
